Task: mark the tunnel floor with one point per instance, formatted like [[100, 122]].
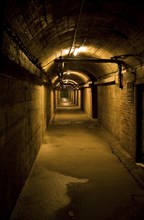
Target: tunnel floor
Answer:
[[76, 176]]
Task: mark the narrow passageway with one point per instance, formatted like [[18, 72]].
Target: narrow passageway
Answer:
[[72, 110], [76, 175], [68, 112]]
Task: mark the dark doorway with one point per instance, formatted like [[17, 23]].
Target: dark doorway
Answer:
[[82, 99], [140, 123], [94, 102]]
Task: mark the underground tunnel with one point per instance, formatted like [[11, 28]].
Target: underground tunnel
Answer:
[[81, 56]]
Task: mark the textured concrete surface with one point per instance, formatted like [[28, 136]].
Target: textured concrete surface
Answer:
[[24, 112], [77, 176]]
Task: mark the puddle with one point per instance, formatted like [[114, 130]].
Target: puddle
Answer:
[[44, 194]]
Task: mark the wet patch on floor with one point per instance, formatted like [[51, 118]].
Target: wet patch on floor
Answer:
[[71, 211], [44, 194]]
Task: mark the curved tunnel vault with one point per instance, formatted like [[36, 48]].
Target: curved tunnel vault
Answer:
[[46, 30], [100, 46]]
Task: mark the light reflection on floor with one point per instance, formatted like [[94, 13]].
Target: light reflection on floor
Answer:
[[66, 102]]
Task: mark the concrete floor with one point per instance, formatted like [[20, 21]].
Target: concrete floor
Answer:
[[77, 177]]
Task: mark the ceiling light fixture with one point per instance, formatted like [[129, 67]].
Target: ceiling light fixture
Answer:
[[77, 50]]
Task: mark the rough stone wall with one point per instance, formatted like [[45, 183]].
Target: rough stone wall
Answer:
[[24, 115], [118, 115], [128, 121]]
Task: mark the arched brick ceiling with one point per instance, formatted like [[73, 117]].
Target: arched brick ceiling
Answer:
[[51, 28], [76, 78]]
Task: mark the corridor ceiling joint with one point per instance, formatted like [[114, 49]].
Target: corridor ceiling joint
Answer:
[[120, 63]]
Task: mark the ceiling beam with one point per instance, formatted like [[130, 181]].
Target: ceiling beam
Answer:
[[93, 60]]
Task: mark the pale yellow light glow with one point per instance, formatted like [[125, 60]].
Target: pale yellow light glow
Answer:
[[78, 50], [68, 81], [97, 52], [75, 51], [82, 75], [54, 79], [66, 73]]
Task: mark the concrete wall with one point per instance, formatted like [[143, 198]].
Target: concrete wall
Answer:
[[25, 110], [55, 99], [72, 97], [79, 98], [76, 97], [52, 104], [87, 101]]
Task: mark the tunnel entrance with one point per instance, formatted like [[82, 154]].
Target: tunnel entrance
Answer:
[[140, 123]]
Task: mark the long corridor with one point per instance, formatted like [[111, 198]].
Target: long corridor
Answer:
[[77, 176]]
